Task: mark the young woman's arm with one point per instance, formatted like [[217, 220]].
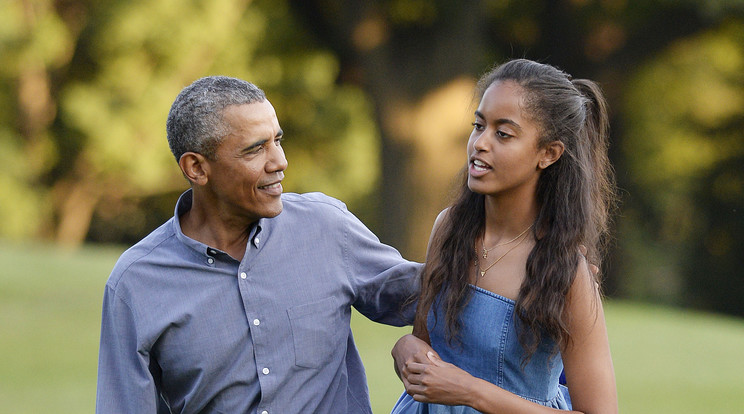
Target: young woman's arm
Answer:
[[590, 375], [589, 371]]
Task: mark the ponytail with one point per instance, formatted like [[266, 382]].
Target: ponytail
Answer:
[[602, 176]]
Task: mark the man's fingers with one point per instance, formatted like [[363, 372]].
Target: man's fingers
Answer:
[[415, 368], [419, 357]]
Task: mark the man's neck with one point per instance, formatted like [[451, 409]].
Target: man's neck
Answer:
[[229, 235]]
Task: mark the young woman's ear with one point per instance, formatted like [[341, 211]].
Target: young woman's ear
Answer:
[[195, 167], [550, 154]]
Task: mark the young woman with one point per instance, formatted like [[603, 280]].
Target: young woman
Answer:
[[507, 300]]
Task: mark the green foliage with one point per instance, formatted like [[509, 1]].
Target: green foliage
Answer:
[[683, 146], [108, 72], [332, 142], [682, 98], [86, 85], [32, 41], [666, 361]]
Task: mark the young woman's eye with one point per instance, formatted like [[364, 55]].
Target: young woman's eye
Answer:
[[502, 134], [478, 126]]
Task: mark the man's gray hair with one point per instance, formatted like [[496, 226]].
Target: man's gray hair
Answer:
[[195, 119]]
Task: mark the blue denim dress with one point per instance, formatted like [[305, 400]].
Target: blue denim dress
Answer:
[[490, 349]]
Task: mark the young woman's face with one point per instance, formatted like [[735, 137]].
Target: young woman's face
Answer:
[[502, 150]]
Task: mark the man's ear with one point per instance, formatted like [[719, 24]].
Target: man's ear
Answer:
[[550, 154], [195, 167]]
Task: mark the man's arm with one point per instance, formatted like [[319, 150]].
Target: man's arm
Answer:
[[383, 281], [125, 384]]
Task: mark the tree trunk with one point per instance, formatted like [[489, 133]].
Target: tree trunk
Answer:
[[418, 74], [75, 211]]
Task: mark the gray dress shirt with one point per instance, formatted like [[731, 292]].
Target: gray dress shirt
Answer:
[[186, 327]]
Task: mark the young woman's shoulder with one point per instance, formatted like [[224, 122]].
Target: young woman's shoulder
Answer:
[[440, 218], [585, 282], [436, 227], [438, 222]]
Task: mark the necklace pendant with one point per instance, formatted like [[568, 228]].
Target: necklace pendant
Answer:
[[482, 273], [485, 253]]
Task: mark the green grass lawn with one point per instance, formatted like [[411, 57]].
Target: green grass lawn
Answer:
[[666, 360]]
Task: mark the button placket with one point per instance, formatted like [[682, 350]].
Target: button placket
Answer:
[[210, 255]]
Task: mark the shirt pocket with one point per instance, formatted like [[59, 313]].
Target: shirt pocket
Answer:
[[316, 332]]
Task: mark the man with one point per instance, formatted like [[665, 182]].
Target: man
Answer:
[[241, 302]]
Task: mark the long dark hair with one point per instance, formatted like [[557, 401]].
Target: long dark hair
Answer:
[[574, 196]]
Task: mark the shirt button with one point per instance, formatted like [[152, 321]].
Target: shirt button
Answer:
[[243, 275], [256, 322], [264, 412], [265, 371], [212, 251], [257, 240], [210, 260]]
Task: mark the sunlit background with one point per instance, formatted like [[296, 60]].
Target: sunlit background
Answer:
[[376, 100]]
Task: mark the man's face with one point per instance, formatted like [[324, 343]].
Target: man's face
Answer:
[[244, 178]]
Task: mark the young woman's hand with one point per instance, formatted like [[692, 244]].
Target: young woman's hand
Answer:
[[436, 381], [408, 350]]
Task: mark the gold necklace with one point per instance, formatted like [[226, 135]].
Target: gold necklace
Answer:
[[483, 243], [483, 271]]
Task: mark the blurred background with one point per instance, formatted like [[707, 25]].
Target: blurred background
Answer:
[[376, 101]]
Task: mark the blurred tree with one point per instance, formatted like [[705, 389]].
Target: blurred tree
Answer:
[[34, 43], [86, 86], [417, 59], [89, 89], [684, 142], [410, 53]]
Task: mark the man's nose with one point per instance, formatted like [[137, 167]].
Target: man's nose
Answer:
[[277, 159]]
